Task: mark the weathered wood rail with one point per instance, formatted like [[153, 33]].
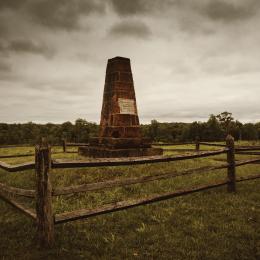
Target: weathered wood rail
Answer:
[[16, 156], [177, 150], [17, 167], [131, 161], [129, 181], [247, 148], [66, 144], [62, 164], [17, 191], [22, 145], [108, 162], [15, 145], [28, 212], [116, 183], [248, 153], [43, 192], [77, 144], [172, 144], [212, 144], [85, 213], [27, 155]]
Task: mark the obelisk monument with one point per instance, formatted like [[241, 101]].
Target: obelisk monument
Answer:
[[119, 133]]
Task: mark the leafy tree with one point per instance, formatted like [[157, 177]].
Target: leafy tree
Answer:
[[214, 129], [257, 125], [153, 131], [225, 119], [249, 132]]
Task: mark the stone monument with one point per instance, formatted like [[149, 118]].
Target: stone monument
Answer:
[[120, 133]]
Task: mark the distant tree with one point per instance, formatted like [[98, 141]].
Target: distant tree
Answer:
[[194, 130], [249, 132], [214, 129], [185, 133], [235, 129], [82, 130], [257, 125], [67, 131], [225, 119], [153, 131]]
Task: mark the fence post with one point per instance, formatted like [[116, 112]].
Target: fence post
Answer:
[[64, 144], [197, 144], [231, 174], [45, 218]]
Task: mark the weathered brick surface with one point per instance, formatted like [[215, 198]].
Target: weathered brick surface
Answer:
[[120, 133], [118, 100]]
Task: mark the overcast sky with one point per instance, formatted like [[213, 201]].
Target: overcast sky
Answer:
[[190, 58]]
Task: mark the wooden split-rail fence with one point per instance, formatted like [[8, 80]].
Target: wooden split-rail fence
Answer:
[[45, 218]]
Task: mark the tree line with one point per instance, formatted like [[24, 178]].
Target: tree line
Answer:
[[30, 133], [214, 129]]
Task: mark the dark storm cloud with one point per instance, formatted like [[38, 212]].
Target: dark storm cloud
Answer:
[[11, 4], [129, 28], [130, 7], [63, 13], [26, 46], [140, 7], [227, 10], [2, 29], [60, 14], [230, 11]]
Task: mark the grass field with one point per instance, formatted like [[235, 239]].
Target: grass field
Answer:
[[207, 225]]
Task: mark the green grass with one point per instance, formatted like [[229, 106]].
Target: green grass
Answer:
[[212, 224]]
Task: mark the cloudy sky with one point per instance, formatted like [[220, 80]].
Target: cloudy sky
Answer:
[[190, 58]]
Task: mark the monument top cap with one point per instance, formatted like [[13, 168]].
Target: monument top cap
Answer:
[[118, 58]]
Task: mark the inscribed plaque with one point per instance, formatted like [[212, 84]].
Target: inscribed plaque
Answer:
[[127, 106]]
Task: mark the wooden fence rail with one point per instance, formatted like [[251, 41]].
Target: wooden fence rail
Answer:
[[212, 144], [77, 144], [16, 156], [15, 145], [27, 155], [65, 144], [129, 181], [116, 183], [85, 213], [109, 162], [172, 144], [178, 150], [24, 145], [17, 191], [28, 212], [248, 153], [243, 148], [131, 161], [17, 167], [251, 177], [44, 217]]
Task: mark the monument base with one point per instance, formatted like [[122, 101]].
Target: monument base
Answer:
[[104, 152]]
